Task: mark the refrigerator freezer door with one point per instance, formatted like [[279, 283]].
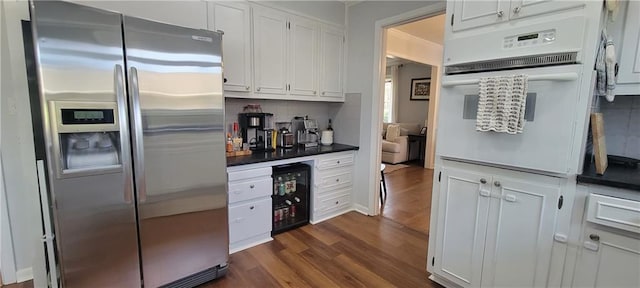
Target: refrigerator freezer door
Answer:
[[177, 115], [80, 60]]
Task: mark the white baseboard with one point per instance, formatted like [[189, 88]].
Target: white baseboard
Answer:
[[361, 209], [24, 275]]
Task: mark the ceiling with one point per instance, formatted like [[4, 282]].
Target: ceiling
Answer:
[[391, 61], [430, 29]]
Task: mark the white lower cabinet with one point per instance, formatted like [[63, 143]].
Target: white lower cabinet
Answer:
[[332, 186], [608, 260], [609, 246], [248, 220], [494, 229], [249, 208]]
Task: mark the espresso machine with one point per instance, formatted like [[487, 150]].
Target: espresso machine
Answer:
[[259, 124], [306, 131]]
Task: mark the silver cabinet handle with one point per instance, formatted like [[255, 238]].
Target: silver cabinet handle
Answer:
[[496, 183], [124, 131], [258, 89], [247, 88], [315, 92], [594, 237], [138, 142], [252, 186], [252, 207], [337, 179], [337, 202], [338, 161], [516, 10], [483, 181], [500, 14], [323, 93]]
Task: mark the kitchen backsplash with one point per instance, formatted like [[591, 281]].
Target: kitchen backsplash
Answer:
[[622, 125], [282, 110]]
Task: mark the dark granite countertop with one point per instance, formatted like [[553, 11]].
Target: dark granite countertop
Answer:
[[615, 176], [279, 154]]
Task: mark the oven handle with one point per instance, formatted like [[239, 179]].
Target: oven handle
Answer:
[[545, 77]]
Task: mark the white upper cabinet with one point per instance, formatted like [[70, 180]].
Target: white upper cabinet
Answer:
[[296, 58], [526, 8], [629, 62], [234, 19], [270, 51], [303, 71], [472, 13], [331, 58], [191, 14]]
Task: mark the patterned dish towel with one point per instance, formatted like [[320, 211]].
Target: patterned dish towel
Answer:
[[502, 103]]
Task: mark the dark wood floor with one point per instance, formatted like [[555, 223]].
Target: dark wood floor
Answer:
[[409, 197], [352, 250]]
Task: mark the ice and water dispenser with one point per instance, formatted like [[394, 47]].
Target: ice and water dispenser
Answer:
[[88, 136]]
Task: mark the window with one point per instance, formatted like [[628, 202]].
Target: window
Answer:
[[387, 116]]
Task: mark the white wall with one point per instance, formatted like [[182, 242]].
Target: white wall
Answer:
[[411, 111], [17, 142], [361, 20]]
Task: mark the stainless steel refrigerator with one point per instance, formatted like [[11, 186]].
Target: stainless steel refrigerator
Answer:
[[132, 123]]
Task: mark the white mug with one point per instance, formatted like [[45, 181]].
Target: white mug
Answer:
[[326, 137]]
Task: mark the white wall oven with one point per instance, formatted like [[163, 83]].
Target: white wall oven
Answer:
[[554, 81]]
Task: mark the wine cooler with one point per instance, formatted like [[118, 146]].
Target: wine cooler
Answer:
[[291, 189]]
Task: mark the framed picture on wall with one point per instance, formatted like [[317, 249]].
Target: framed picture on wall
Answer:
[[420, 89]]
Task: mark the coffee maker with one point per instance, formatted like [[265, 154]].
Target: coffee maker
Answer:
[[259, 124], [306, 131]]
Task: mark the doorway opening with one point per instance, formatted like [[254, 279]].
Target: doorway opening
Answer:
[[413, 57]]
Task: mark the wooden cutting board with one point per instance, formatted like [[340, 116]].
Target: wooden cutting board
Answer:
[[599, 144]]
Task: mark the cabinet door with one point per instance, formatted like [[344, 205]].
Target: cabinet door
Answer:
[[526, 8], [472, 13], [519, 234], [331, 57], [303, 70], [630, 54], [234, 19], [462, 223], [270, 50], [607, 260]]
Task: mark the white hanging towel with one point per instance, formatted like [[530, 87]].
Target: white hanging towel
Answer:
[[502, 103]]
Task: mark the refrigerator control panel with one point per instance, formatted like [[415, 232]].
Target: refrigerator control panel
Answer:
[[78, 117]]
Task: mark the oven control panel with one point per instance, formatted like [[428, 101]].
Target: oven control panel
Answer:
[[530, 39]]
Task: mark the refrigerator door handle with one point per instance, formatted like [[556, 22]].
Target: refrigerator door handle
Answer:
[[124, 133], [137, 133]]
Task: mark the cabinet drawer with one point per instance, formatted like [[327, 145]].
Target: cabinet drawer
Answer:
[[614, 212], [249, 174], [335, 162], [334, 179], [337, 200], [248, 220], [245, 190]]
